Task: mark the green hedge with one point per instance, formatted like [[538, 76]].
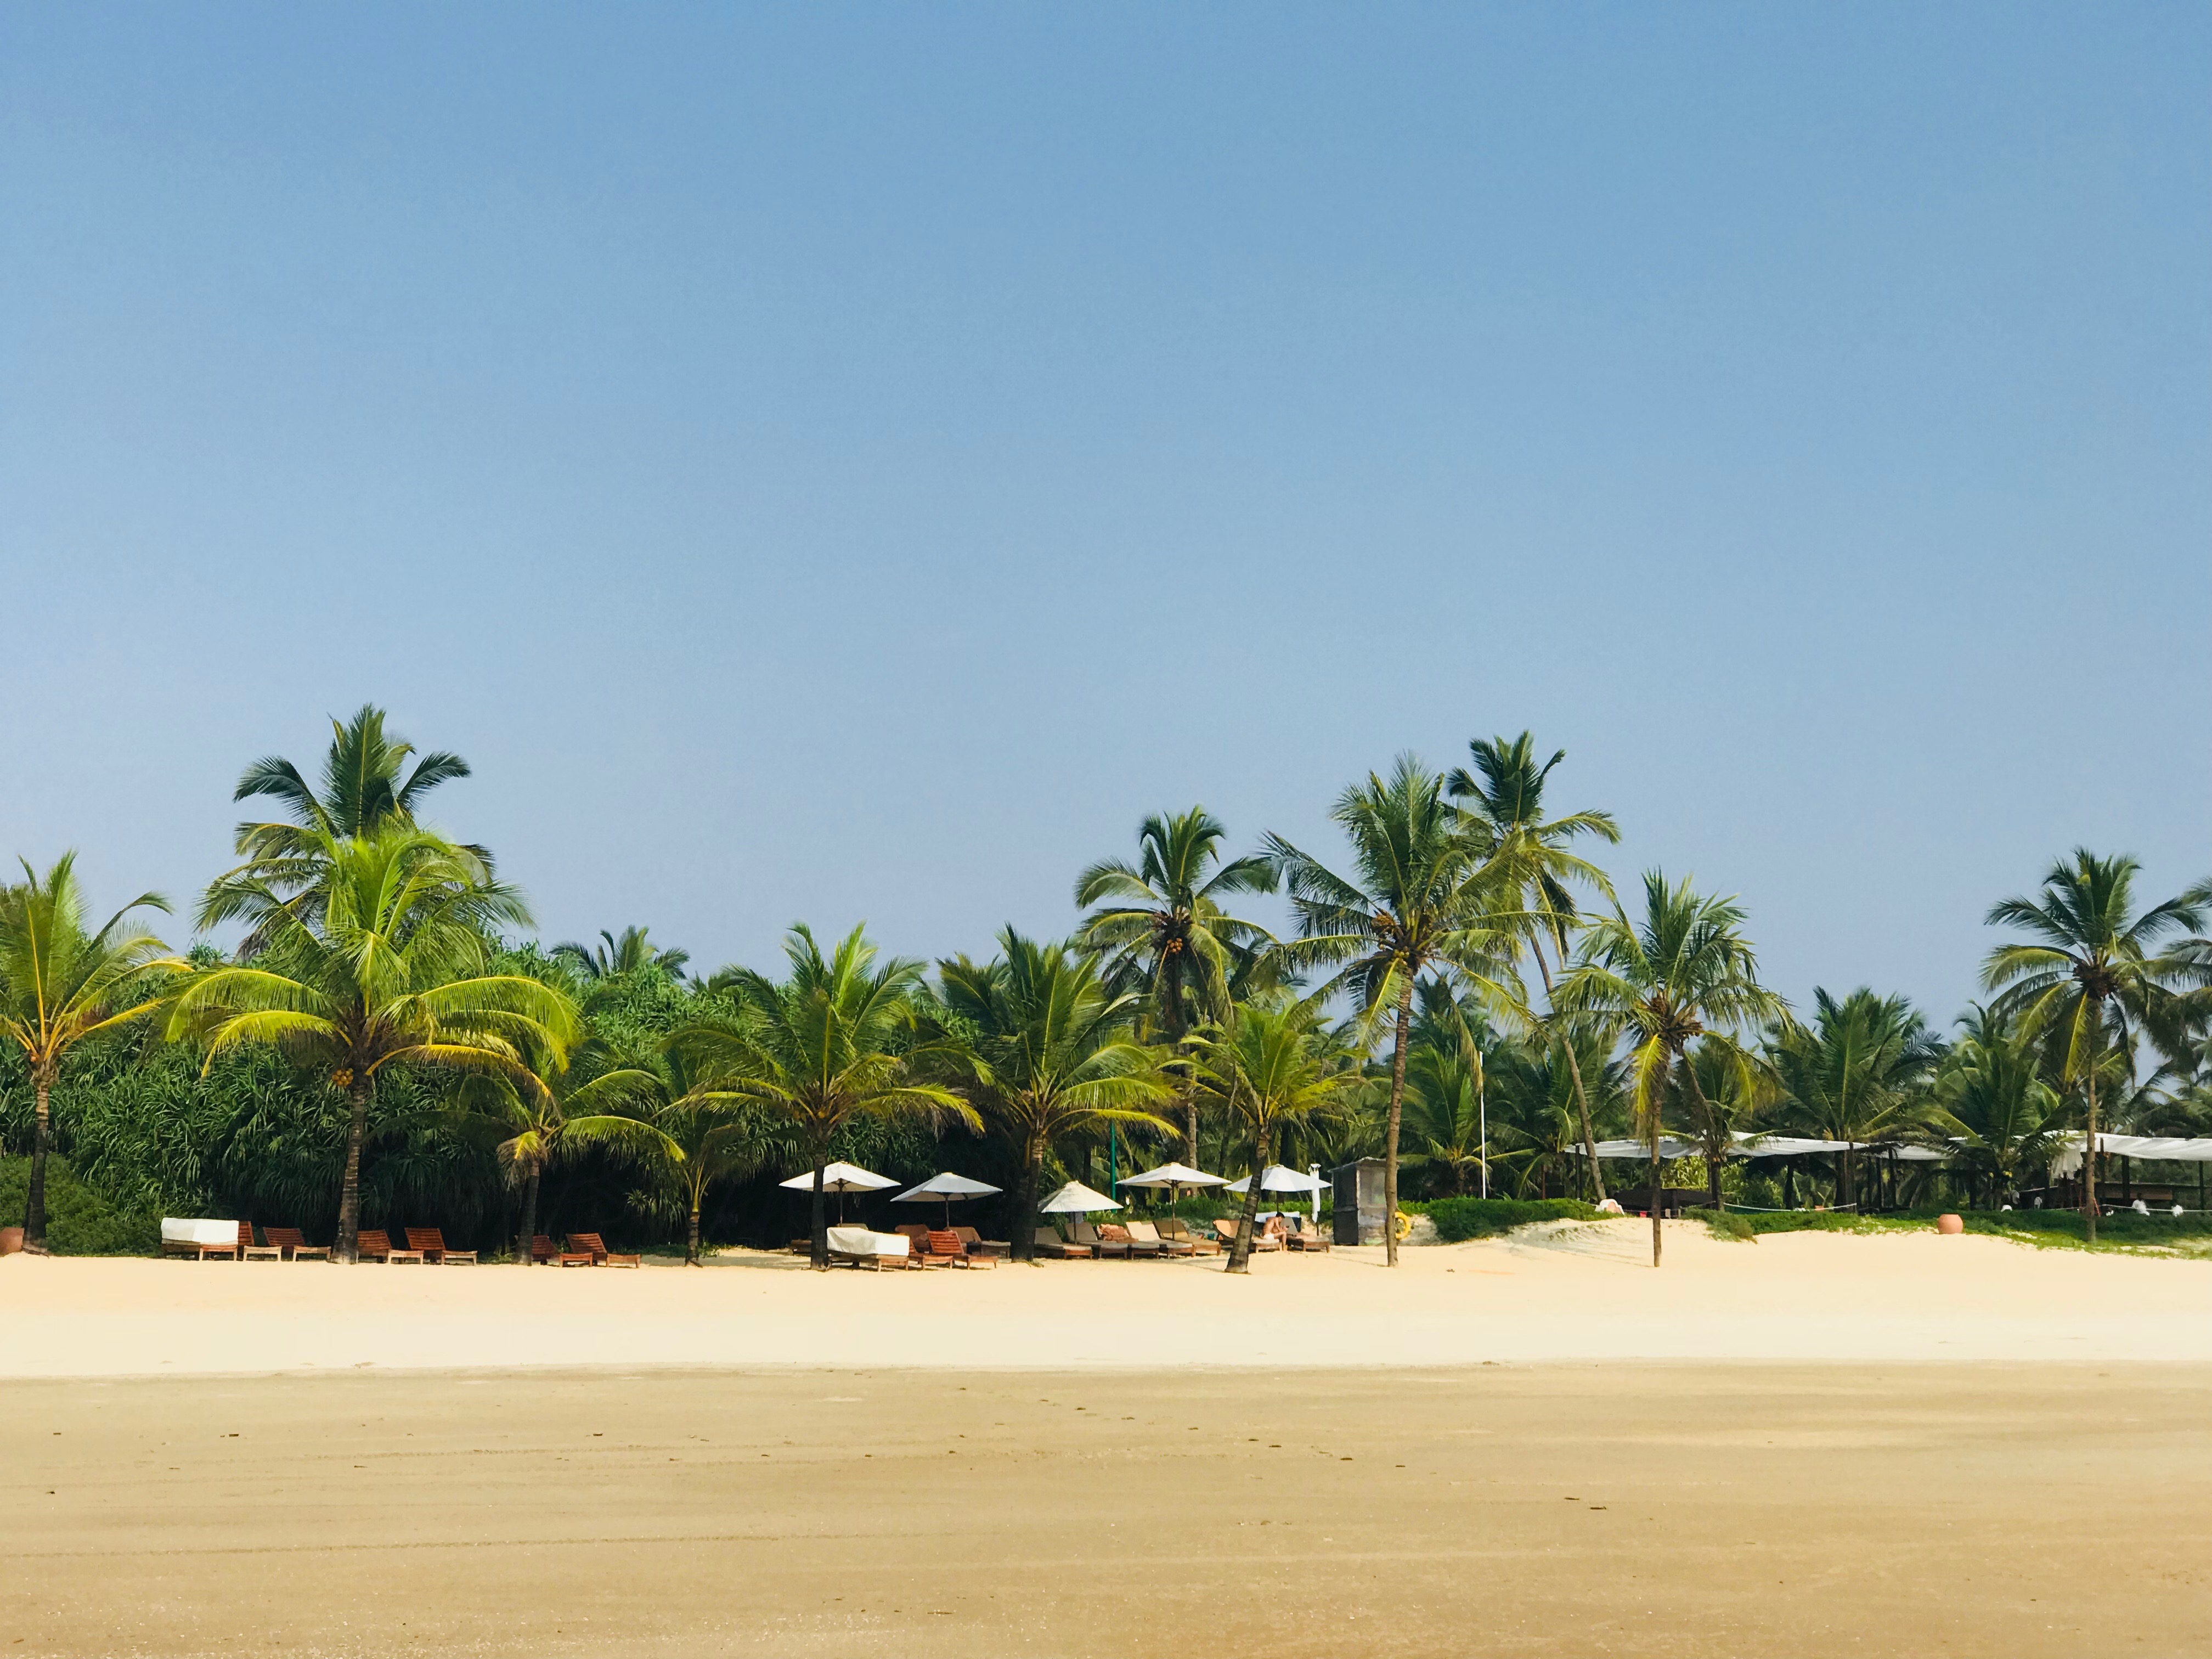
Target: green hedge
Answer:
[[1459, 1218], [79, 1220]]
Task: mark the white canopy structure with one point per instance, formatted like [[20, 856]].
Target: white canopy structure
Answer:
[[1765, 1146], [2178, 1148], [1277, 1179], [1076, 1198], [1173, 1175], [945, 1186], [1669, 1147]]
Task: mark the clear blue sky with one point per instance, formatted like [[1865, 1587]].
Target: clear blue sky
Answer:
[[852, 463]]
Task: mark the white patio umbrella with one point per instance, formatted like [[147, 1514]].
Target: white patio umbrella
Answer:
[[946, 1185], [1277, 1179], [840, 1179], [1172, 1175], [1076, 1198]]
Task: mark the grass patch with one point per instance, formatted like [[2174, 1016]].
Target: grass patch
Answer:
[[79, 1221], [1460, 1219]]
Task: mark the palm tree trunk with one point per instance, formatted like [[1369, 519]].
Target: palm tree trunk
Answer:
[[818, 1219], [1240, 1253], [358, 1089], [2089, 1149], [1397, 1114], [692, 1257], [34, 1207], [1590, 1136], [522, 1255], [1023, 1246], [1849, 1194]]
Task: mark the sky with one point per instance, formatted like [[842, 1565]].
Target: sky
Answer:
[[851, 463]]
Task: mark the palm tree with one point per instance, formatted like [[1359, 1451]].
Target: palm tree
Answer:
[[1681, 972], [833, 1044], [1162, 923], [1536, 1087], [1266, 1067], [1426, 900], [362, 789], [1507, 800], [625, 955], [1054, 1054], [61, 983], [1731, 1088], [2093, 973], [386, 966], [1856, 1073], [1446, 1084], [1992, 1095]]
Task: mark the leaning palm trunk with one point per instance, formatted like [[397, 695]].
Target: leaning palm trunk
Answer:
[[1589, 1135], [1240, 1250], [1658, 1193], [34, 1207], [1397, 1114], [358, 1090], [691, 1256], [2089, 1156]]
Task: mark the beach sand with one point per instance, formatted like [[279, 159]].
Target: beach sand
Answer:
[[1814, 1445]]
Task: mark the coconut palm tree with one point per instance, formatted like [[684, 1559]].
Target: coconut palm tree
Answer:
[[625, 955], [1857, 1074], [1505, 794], [1265, 1066], [1992, 1095], [1733, 1087], [1681, 972], [1160, 922], [2093, 973], [61, 982], [362, 788], [834, 1043], [1054, 1054], [1536, 1091], [386, 967], [1426, 900]]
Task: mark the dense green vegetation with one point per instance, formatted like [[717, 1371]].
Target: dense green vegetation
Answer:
[[378, 1041]]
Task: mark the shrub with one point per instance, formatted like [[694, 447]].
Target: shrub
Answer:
[[79, 1221], [1458, 1218]]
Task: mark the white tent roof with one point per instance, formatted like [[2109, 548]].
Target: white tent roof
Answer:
[[1277, 1179], [945, 1185], [840, 1178], [1790, 1145], [1669, 1147], [1173, 1175], [2178, 1148], [1076, 1198]]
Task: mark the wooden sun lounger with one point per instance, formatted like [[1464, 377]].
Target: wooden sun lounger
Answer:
[[1306, 1237], [432, 1243], [600, 1256], [295, 1245], [997, 1248], [249, 1251], [1144, 1234], [1103, 1247], [542, 1248], [1140, 1249], [1174, 1230], [370, 1245], [1261, 1241], [945, 1245], [1049, 1243]]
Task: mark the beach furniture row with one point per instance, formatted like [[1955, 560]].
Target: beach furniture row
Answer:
[[232, 1241]]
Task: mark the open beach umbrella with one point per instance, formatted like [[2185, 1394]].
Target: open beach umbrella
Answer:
[[946, 1185], [1076, 1198], [1172, 1175], [1277, 1179], [840, 1179]]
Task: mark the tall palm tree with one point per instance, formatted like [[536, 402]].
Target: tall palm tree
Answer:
[[61, 982], [1505, 794], [362, 787], [386, 967], [1264, 1067], [834, 1043], [1681, 972], [1855, 1074], [1426, 900], [627, 954], [1732, 1089], [1445, 1083], [1992, 1095], [2093, 973], [1533, 1129], [1054, 1054], [1162, 924]]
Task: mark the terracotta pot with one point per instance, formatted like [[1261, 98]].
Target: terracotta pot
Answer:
[[11, 1240], [1950, 1223]]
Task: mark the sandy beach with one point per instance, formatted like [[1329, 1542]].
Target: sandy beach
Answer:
[[1577, 1291], [1816, 1444]]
